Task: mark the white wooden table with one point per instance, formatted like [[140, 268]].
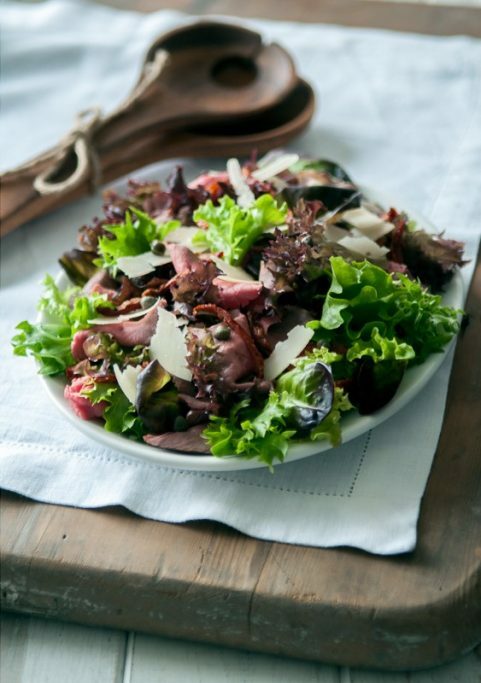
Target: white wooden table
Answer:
[[38, 651]]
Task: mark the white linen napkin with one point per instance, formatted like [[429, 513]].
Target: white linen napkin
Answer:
[[402, 113]]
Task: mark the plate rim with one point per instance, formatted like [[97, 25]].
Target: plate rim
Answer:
[[353, 425]]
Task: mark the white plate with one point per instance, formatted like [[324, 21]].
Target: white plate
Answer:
[[352, 425]]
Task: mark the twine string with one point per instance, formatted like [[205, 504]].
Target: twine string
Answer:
[[80, 140]]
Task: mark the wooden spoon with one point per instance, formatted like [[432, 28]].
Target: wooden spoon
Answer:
[[219, 92], [212, 72], [273, 128]]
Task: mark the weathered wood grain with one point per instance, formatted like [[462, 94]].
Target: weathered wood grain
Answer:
[[397, 16]]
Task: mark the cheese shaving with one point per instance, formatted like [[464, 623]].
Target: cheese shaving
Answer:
[[275, 167], [367, 223], [127, 380], [285, 352], [363, 246], [245, 197], [142, 264], [168, 347]]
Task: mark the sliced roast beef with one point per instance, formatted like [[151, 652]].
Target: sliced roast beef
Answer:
[[222, 358], [193, 282], [100, 282], [198, 281], [190, 441], [132, 332], [235, 293], [77, 345], [82, 405], [183, 259]]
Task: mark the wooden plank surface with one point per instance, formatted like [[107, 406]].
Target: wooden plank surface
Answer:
[[40, 651], [206, 582], [398, 16]]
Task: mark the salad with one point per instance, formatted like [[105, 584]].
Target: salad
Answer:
[[244, 310]]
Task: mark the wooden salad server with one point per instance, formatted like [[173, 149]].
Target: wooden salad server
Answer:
[[205, 89]]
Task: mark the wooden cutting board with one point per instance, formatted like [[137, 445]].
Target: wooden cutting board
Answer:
[[206, 582]]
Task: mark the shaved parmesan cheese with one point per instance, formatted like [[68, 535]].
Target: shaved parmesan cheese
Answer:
[[363, 246], [227, 278], [232, 272], [275, 167], [285, 352], [334, 234], [184, 236], [168, 346], [181, 235], [135, 266], [127, 380], [367, 223], [122, 318], [269, 156], [245, 197]]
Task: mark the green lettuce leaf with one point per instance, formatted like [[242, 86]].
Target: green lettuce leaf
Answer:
[[380, 348], [304, 403], [307, 393], [166, 228], [321, 166], [330, 427], [48, 343], [120, 415], [233, 230], [251, 433], [65, 313], [131, 238], [364, 304]]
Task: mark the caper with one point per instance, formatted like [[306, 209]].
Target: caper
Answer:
[[222, 332], [158, 247], [147, 301]]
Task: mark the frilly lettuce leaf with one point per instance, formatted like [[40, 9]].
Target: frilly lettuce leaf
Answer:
[[304, 403], [49, 342], [130, 238], [362, 298], [380, 349], [120, 416], [233, 230], [251, 433]]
